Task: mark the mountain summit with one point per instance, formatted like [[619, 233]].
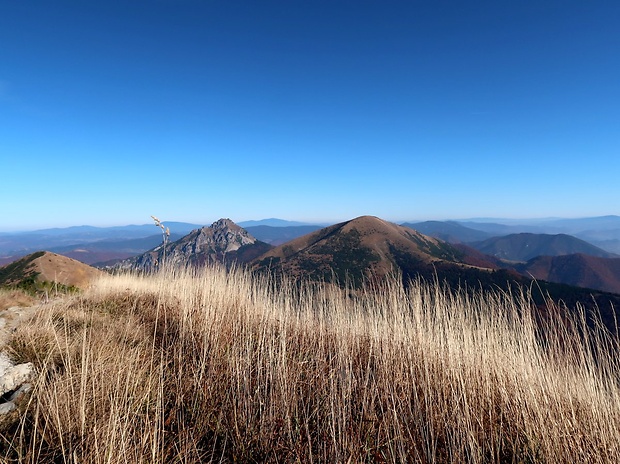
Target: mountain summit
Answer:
[[44, 267], [223, 241], [360, 248]]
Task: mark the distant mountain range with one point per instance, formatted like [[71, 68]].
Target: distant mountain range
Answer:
[[281, 234], [513, 252], [90, 244], [449, 231], [601, 232], [110, 251], [273, 222], [559, 258], [368, 248], [104, 245], [525, 246], [570, 226]]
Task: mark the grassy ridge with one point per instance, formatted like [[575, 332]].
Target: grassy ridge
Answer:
[[22, 276], [20, 272], [225, 367]]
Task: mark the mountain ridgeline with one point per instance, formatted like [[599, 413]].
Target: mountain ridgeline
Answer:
[[526, 246], [449, 231]]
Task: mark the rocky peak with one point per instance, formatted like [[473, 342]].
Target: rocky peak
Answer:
[[218, 242], [224, 223], [227, 236]]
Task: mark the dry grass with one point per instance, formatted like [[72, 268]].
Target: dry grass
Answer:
[[15, 297], [220, 366]]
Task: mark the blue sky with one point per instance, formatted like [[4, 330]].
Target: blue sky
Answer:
[[306, 110]]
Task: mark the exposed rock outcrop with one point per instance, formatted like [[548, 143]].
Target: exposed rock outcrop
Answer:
[[13, 382], [223, 241]]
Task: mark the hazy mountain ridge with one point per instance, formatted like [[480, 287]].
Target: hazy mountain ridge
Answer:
[[107, 251], [280, 234], [27, 242], [601, 231], [274, 222], [566, 225], [448, 231], [526, 246], [606, 236]]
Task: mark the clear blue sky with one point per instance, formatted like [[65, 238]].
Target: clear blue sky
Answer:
[[312, 110]]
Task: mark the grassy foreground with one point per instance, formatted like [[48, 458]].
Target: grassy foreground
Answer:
[[15, 297], [225, 367]]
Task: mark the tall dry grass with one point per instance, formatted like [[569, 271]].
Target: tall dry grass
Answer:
[[217, 366], [10, 297]]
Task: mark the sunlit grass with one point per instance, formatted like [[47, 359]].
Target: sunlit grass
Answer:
[[10, 297], [226, 367]]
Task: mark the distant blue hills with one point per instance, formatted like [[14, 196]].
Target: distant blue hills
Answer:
[[602, 232], [274, 222]]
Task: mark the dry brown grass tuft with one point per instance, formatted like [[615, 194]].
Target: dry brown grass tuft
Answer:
[[15, 297], [222, 366]]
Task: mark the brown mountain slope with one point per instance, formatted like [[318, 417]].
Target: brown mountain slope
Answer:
[[45, 266], [360, 248], [477, 258], [577, 269]]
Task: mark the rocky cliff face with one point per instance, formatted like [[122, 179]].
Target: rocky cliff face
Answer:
[[223, 241]]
